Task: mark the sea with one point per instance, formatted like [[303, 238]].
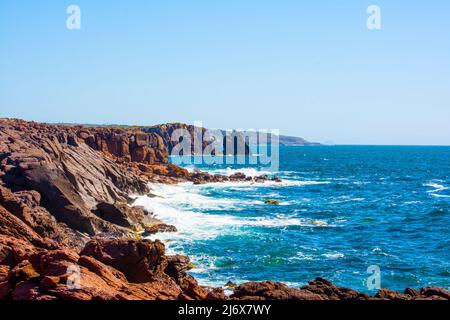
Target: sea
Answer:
[[343, 212]]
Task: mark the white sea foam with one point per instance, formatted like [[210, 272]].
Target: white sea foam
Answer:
[[191, 225], [273, 195], [319, 223], [186, 194], [302, 257], [181, 205], [204, 263], [360, 183], [186, 206], [413, 202], [343, 199], [437, 187], [249, 172], [333, 256], [284, 183], [379, 251], [440, 195]]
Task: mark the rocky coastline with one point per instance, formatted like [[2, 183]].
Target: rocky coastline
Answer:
[[68, 229]]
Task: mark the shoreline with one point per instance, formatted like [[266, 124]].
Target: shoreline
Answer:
[[216, 277], [66, 217]]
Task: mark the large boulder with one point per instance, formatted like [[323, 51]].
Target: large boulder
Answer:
[[328, 290], [140, 260], [269, 290], [122, 214], [435, 292]]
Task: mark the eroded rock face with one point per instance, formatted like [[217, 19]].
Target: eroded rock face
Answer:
[[126, 145], [53, 181], [25, 205], [14, 228]]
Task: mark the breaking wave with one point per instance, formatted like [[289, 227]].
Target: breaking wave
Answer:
[[187, 208]]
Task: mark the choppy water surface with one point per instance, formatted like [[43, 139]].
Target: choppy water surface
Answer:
[[342, 209]]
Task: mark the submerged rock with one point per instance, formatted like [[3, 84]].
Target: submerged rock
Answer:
[[230, 285], [158, 228]]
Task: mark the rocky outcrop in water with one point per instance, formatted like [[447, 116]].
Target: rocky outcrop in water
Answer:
[[171, 174], [322, 289]]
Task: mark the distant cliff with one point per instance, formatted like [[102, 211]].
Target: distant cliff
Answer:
[[166, 131], [295, 141], [240, 138], [233, 139]]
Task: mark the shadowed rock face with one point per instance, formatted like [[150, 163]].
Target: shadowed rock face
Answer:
[[64, 207], [64, 179], [140, 261]]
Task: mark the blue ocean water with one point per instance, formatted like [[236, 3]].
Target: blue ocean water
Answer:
[[342, 209]]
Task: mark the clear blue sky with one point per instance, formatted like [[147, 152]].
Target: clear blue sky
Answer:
[[309, 68]]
